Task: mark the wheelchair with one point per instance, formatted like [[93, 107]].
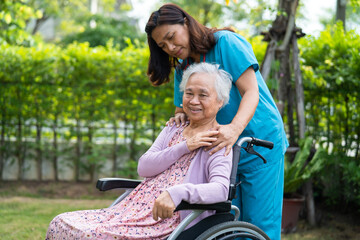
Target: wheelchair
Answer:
[[224, 224]]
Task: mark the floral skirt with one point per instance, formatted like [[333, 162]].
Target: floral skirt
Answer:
[[132, 217]]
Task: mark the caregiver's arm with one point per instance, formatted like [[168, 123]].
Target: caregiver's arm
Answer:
[[249, 91]]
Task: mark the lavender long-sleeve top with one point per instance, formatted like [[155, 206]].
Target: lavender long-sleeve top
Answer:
[[207, 180]]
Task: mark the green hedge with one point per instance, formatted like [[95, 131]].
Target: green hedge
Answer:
[[71, 93], [331, 73]]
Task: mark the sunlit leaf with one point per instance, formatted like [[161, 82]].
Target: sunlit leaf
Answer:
[[7, 18]]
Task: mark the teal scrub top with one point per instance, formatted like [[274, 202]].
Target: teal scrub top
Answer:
[[234, 54]]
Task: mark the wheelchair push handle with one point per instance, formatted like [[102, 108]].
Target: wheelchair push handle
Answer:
[[262, 143], [251, 141], [255, 141]]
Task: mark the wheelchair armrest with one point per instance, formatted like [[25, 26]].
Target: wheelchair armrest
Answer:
[[218, 207], [104, 184]]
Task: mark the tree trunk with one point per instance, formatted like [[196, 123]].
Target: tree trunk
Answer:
[[19, 153], [290, 114], [153, 123], [290, 8], [38, 23], [284, 78], [206, 14], [133, 140], [328, 121], [358, 141], [126, 121], [38, 143], [90, 153], [2, 138], [77, 151], [38, 151], [2, 143], [301, 123], [298, 88], [310, 205], [341, 11], [347, 131], [337, 137], [114, 154], [284, 30], [133, 150], [55, 150], [265, 67]]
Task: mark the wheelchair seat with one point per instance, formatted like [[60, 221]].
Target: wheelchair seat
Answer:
[[223, 224]]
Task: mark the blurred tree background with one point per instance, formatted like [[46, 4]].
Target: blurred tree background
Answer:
[[75, 101]]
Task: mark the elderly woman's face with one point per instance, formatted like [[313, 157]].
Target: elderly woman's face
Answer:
[[200, 98]]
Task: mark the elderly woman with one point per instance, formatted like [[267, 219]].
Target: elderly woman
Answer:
[[176, 168], [175, 36]]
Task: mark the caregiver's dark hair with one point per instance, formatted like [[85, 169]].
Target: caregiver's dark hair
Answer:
[[201, 40]]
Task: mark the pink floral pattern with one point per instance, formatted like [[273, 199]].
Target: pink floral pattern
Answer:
[[132, 217]]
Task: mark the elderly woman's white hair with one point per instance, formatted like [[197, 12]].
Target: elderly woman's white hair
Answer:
[[223, 79]]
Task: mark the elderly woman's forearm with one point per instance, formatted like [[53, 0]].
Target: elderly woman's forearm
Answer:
[[156, 161], [206, 193]]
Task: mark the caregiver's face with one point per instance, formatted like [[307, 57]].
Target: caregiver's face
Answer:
[[173, 39]]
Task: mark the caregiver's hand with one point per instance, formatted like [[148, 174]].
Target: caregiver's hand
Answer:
[[164, 206], [180, 118], [227, 137]]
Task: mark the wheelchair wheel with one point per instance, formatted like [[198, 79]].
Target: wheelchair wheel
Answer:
[[233, 230]]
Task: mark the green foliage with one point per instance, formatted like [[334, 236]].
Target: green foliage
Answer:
[[259, 47], [105, 87], [302, 168], [259, 14], [65, 12], [129, 170], [340, 181], [214, 13], [106, 28], [331, 76], [331, 81], [78, 91], [207, 12], [13, 18]]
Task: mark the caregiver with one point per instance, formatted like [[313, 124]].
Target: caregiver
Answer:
[[177, 40]]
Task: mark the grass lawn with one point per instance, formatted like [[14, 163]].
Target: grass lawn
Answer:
[[335, 229], [28, 218], [26, 211]]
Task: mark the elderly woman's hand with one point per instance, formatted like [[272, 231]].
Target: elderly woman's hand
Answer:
[[227, 137], [164, 206]]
